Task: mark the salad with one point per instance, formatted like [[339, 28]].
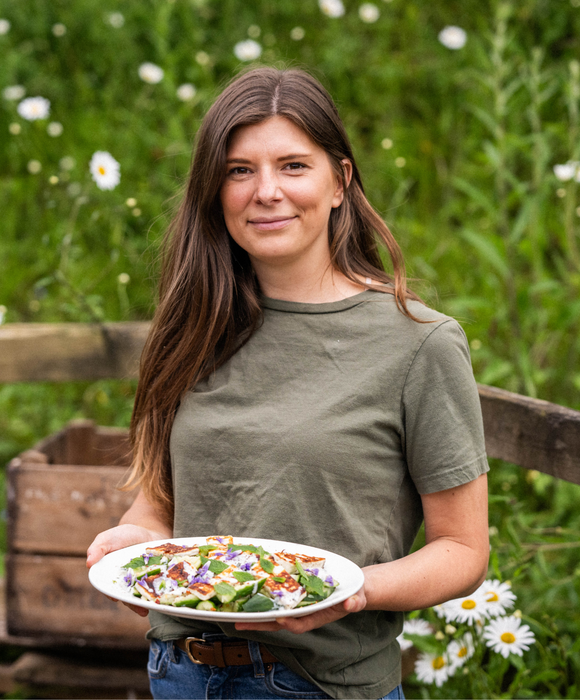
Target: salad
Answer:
[[221, 576]]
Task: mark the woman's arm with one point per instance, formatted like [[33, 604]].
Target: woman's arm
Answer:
[[453, 562], [141, 523]]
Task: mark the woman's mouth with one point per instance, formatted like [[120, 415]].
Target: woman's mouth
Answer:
[[271, 223]]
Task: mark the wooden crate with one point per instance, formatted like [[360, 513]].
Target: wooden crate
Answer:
[[60, 495]]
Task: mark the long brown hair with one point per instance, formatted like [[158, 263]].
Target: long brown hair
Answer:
[[209, 302]]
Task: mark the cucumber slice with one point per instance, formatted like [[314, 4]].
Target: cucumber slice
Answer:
[[206, 605], [189, 602]]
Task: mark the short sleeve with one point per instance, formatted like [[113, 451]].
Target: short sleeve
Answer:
[[443, 427]]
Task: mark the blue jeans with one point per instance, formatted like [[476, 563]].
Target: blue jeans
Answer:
[[173, 676]]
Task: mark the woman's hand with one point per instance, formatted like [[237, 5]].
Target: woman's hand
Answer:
[[299, 625], [141, 523]]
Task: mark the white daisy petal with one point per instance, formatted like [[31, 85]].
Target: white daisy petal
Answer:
[[4, 26], [186, 92], [498, 596], [431, 668], [14, 92], [150, 73], [33, 108], [507, 635], [566, 171], [470, 609], [332, 8], [116, 20], [453, 37], [416, 626], [459, 650], [105, 170], [248, 50], [368, 12]]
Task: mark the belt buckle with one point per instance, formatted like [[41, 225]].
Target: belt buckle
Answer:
[[188, 640]]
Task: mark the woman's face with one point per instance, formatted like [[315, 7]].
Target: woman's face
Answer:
[[277, 195]]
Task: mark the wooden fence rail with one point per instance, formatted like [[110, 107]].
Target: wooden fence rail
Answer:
[[529, 432]]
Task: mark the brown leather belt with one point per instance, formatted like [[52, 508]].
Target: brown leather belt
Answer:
[[221, 654]]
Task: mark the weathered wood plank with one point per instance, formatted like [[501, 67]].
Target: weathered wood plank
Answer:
[[58, 352], [59, 509], [51, 596], [532, 433]]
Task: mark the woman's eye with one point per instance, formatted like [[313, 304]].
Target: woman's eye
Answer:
[[239, 170], [295, 166]]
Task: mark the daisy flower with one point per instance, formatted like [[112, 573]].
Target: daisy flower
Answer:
[[4, 26], [431, 668], [33, 108], [369, 13], [470, 609], [297, 33], [105, 170], [150, 73], [331, 8], [115, 19], [453, 37], [248, 50], [54, 129], [459, 650], [498, 596], [416, 626], [566, 171], [186, 92], [507, 635], [14, 92]]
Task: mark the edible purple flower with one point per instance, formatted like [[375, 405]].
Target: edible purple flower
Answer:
[[203, 570], [146, 558], [231, 554], [128, 579], [246, 567], [220, 540], [329, 580], [278, 593]]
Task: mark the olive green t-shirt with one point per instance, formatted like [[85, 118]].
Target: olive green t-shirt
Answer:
[[323, 430]]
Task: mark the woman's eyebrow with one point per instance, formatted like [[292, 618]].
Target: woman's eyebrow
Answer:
[[291, 156]]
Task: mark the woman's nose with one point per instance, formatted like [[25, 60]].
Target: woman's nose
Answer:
[[267, 188]]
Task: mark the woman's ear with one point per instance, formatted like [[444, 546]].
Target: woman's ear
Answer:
[[347, 169], [341, 181]]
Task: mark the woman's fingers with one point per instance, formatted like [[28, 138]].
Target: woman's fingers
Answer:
[[116, 538]]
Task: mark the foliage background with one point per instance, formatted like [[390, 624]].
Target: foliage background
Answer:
[[465, 182]]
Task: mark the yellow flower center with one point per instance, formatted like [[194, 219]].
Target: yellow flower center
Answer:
[[492, 597], [508, 638], [438, 662], [102, 170], [468, 604], [462, 652]]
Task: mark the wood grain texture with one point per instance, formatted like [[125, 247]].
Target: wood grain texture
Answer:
[[531, 433], [59, 509], [51, 596], [58, 352]]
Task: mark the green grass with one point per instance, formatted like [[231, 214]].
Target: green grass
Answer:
[[466, 183]]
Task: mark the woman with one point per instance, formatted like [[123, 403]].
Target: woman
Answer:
[[291, 389]]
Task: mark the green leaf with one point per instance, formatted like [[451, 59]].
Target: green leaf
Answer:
[[267, 565], [224, 591], [136, 563], [243, 576], [217, 566], [314, 585], [258, 603], [279, 579], [488, 251]]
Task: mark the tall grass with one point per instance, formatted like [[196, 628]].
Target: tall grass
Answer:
[[457, 149]]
